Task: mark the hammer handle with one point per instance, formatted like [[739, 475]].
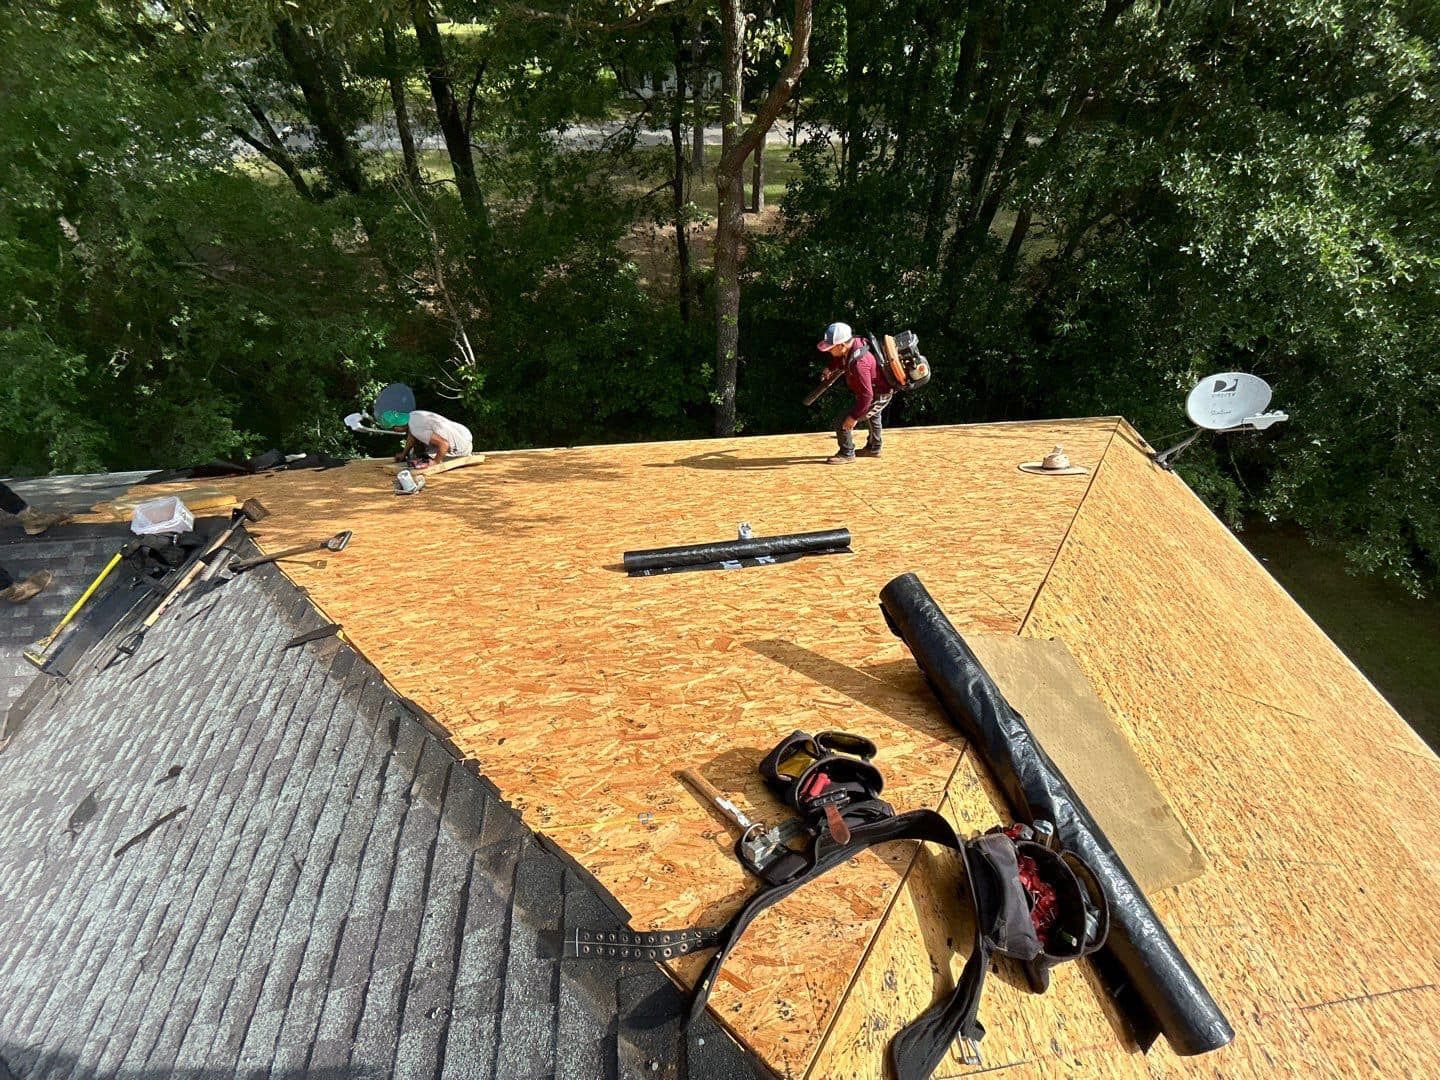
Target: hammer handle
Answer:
[[702, 786], [260, 560], [196, 568], [710, 794]]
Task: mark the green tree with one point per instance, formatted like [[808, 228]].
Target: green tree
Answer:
[[1083, 208]]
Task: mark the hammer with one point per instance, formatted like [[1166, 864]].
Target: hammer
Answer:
[[249, 510], [338, 542], [762, 846]]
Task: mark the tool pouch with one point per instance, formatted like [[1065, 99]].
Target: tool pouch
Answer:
[[829, 781], [1002, 904], [807, 772]]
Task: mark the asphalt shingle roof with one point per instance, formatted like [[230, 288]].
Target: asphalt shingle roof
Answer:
[[74, 554], [226, 857]]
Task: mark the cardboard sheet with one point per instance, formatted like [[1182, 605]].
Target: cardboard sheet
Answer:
[[1043, 681]]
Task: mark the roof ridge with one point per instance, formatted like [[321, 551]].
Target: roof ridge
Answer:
[[1065, 539]]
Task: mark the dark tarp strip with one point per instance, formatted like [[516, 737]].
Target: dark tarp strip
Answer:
[[1161, 978], [672, 558], [737, 564]]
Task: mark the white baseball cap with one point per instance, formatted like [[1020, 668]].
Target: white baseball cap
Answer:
[[837, 333]]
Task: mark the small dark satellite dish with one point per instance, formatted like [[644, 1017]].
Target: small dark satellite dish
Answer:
[[1226, 402]]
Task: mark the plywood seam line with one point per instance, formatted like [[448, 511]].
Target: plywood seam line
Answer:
[[1264, 704], [1429, 756], [843, 1000], [1060, 549], [1358, 999], [1247, 554]]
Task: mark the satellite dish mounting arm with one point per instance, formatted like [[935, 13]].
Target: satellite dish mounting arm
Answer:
[[1224, 403], [1163, 457]]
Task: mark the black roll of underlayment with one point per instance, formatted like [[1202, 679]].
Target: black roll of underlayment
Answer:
[[658, 560], [1154, 975]]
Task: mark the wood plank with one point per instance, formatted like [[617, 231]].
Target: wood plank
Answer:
[[449, 465], [198, 500]]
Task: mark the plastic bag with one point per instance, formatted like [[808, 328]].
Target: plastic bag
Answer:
[[161, 516]]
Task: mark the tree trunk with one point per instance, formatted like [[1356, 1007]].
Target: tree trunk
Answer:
[[697, 81], [272, 146], [447, 112], [297, 49], [677, 145], [1012, 247], [729, 217], [395, 75], [730, 184], [944, 175], [277, 156], [919, 73], [757, 180], [852, 146]]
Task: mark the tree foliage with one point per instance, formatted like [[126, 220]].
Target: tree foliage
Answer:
[[1084, 207], [215, 236], [172, 296]]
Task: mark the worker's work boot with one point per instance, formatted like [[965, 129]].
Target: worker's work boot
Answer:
[[839, 459], [28, 589], [868, 450], [36, 522]]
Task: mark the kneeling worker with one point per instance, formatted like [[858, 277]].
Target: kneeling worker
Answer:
[[434, 434], [851, 356]]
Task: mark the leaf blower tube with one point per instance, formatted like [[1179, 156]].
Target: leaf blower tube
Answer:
[[811, 543], [1155, 976]]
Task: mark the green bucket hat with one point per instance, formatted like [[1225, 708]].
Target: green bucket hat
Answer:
[[394, 419]]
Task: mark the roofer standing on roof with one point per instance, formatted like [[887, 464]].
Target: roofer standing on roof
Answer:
[[431, 434], [35, 522], [852, 356]]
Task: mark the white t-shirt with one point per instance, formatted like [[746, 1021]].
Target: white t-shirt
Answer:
[[426, 425]]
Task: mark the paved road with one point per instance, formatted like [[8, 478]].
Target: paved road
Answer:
[[383, 137]]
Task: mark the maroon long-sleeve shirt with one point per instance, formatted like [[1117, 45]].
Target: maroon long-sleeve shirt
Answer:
[[862, 375]]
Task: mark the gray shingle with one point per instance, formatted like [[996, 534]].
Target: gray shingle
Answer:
[[340, 895], [649, 1031], [588, 1005]]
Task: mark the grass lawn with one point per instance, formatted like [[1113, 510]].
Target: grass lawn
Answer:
[[1392, 637], [779, 171]]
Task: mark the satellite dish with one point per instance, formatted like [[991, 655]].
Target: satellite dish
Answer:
[[397, 397], [1225, 402]]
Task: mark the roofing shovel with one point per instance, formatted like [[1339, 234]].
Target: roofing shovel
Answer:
[[338, 542], [250, 510]]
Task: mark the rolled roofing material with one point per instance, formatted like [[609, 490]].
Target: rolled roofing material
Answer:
[[761, 547], [1157, 977]]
